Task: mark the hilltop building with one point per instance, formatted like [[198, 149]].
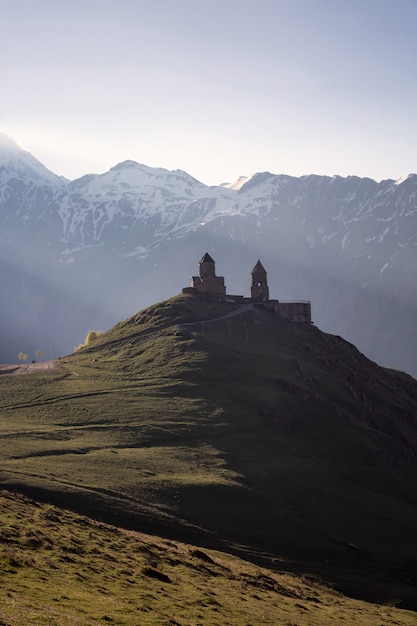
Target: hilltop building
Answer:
[[207, 282], [259, 289], [210, 286]]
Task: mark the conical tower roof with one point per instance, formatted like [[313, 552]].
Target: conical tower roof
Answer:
[[258, 268], [207, 258]]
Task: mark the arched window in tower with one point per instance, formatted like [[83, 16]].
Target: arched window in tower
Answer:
[[259, 285]]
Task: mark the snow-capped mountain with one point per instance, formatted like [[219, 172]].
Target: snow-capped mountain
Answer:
[[85, 253], [16, 162]]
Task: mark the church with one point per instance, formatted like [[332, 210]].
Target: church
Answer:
[[210, 286]]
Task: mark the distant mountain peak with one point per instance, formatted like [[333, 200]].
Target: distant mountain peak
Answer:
[[403, 179], [126, 164], [239, 182], [249, 181], [9, 144], [21, 162]]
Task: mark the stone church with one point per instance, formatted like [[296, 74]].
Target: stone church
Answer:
[[210, 286], [207, 282]]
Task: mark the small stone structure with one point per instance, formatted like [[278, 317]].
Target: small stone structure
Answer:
[[211, 287], [259, 289], [299, 311], [207, 282]]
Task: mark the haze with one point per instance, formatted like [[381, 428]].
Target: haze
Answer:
[[218, 88]]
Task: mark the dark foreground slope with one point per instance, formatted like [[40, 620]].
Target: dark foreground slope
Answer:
[[60, 569], [249, 434]]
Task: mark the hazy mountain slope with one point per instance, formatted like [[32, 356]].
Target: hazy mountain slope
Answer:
[[250, 433], [116, 242]]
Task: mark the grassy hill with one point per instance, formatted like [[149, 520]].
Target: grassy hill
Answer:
[[58, 568], [252, 435]]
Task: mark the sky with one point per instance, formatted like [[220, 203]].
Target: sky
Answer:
[[218, 88]]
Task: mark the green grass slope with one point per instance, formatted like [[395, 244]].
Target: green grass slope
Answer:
[[58, 568], [248, 434]]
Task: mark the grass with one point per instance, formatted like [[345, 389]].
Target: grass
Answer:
[[58, 568], [249, 434]]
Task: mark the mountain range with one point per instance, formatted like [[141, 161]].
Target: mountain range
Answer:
[[83, 254]]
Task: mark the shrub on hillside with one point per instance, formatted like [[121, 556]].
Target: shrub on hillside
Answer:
[[90, 337]]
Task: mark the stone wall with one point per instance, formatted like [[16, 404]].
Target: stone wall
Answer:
[[294, 311]]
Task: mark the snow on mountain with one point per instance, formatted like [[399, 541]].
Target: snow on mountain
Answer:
[[237, 184], [348, 244], [128, 193], [16, 161], [137, 207]]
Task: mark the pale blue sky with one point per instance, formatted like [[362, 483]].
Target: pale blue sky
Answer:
[[217, 88]]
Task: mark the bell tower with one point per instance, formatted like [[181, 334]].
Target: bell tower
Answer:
[[259, 290], [207, 266]]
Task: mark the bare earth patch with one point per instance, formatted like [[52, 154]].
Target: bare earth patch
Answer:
[[27, 368]]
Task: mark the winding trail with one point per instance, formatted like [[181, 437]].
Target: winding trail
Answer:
[[243, 308]]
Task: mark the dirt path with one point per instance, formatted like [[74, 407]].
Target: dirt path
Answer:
[[27, 368], [243, 308]]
